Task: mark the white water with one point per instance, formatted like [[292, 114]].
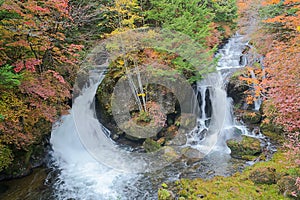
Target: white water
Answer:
[[82, 176], [222, 125]]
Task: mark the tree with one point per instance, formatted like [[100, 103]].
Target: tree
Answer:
[[208, 22], [34, 53], [122, 15], [32, 35], [191, 18], [9, 79]]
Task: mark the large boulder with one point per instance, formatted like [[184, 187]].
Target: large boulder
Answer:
[[251, 117], [287, 186], [245, 147], [150, 145], [263, 175], [187, 121], [191, 155], [236, 89], [275, 133], [179, 139]]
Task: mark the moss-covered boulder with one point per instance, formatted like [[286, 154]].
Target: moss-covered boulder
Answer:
[[150, 145], [287, 186], [264, 175], [236, 89], [139, 67], [247, 148], [275, 133], [251, 117]]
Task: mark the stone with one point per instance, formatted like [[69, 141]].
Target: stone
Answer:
[[275, 133], [251, 117], [151, 145], [179, 140], [161, 141], [236, 89], [286, 185], [263, 175], [192, 155], [245, 147], [187, 121], [169, 154]]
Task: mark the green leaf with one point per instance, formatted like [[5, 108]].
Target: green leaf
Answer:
[[8, 78]]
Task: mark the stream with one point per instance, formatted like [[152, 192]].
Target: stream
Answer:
[[77, 173]]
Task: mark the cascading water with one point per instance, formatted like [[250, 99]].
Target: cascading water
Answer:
[[81, 176], [214, 101]]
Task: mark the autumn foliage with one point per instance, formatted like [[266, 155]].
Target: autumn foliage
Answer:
[[35, 59], [277, 78]]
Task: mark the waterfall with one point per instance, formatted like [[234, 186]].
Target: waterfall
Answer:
[[90, 173], [216, 124], [81, 175]]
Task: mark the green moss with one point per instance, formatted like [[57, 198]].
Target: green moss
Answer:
[[151, 145], [273, 132], [236, 75], [247, 148], [264, 175], [274, 136], [238, 186], [6, 157], [163, 194], [251, 117]]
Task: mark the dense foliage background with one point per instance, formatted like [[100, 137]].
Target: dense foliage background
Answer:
[[43, 42]]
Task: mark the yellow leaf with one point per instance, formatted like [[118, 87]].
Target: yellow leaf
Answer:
[[298, 28], [121, 62], [141, 94]]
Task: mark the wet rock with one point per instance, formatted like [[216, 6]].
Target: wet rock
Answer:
[[115, 136], [208, 105], [169, 154], [286, 185], [187, 121], [256, 131], [236, 89], [203, 134], [161, 141], [25, 161], [251, 117], [151, 145], [31, 187], [170, 132], [245, 147], [263, 175], [135, 131], [179, 140], [273, 132], [192, 155]]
